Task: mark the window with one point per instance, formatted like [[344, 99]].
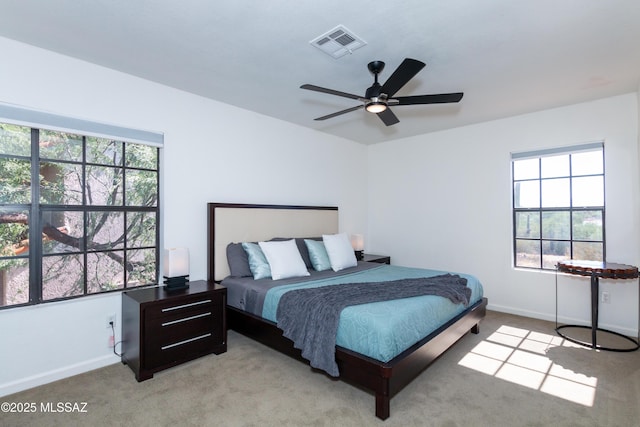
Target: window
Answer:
[[558, 206], [78, 215]]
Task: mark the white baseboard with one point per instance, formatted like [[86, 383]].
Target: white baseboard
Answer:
[[562, 320], [57, 374]]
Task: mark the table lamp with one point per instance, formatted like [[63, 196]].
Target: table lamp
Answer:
[[357, 242], [176, 268]]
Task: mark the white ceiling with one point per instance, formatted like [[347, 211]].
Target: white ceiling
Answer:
[[508, 57]]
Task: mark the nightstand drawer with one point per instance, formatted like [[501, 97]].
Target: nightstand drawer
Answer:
[[175, 351], [184, 307], [168, 330]]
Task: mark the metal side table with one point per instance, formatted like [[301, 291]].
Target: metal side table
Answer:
[[597, 270]]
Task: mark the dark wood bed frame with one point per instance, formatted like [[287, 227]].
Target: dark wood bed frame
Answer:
[[383, 379]]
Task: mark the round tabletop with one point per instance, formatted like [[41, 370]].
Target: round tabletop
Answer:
[[606, 270]]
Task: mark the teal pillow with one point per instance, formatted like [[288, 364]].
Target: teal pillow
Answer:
[[318, 255], [257, 261]]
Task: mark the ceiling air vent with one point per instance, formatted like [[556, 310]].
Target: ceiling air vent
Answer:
[[338, 42]]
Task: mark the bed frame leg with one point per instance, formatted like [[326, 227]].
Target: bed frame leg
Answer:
[[382, 406], [475, 329]]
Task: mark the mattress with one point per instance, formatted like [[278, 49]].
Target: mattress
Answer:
[[380, 330]]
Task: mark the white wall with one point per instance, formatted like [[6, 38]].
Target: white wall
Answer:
[[213, 153], [443, 200]]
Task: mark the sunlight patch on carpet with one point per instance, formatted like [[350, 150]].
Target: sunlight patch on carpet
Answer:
[[519, 356]]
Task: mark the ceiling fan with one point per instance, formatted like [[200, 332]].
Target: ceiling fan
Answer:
[[378, 98]]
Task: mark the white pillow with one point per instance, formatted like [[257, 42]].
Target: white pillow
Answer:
[[284, 259], [340, 251]]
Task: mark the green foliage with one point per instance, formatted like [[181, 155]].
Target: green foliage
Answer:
[[144, 270], [11, 234], [15, 181], [557, 233], [15, 140], [141, 156]]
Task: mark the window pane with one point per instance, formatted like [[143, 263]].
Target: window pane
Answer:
[[588, 191], [556, 225], [589, 251], [15, 181], [14, 278], [104, 151], [104, 186], [528, 253], [528, 225], [60, 146], [14, 233], [15, 140], [556, 193], [62, 232], [141, 229], [142, 188], [62, 276], [553, 251], [105, 271], [105, 230], [526, 194], [141, 156], [587, 163], [526, 169], [587, 225], [60, 183], [142, 267], [555, 166]]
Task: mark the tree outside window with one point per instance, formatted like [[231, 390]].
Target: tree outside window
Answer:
[[88, 225]]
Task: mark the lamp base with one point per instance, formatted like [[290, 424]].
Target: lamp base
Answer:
[[359, 255], [176, 283]]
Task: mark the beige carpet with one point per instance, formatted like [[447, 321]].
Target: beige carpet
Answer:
[[516, 372]]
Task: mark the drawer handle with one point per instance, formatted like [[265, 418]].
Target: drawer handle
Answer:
[[173, 322], [178, 307], [185, 341]]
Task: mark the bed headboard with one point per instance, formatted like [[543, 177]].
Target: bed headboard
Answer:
[[233, 222]]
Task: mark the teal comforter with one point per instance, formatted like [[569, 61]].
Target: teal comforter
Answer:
[[382, 330]]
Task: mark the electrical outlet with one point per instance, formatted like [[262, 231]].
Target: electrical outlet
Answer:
[[111, 319], [605, 297], [111, 329]]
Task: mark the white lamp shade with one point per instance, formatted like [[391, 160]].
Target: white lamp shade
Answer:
[[176, 262], [357, 242]]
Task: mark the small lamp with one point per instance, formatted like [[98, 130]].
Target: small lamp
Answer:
[[357, 242], [176, 268]]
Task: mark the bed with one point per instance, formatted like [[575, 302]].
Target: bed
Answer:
[[382, 366]]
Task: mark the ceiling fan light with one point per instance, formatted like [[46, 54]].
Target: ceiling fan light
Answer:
[[376, 107]]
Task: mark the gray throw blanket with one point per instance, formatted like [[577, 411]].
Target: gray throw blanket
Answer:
[[309, 317]]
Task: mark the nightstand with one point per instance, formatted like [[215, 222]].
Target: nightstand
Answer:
[[161, 328], [381, 259]]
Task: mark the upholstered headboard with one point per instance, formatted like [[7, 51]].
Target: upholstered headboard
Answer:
[[231, 222]]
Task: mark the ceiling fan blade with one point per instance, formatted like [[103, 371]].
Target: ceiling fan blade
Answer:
[[405, 72], [339, 113], [388, 117], [442, 98], [332, 92]]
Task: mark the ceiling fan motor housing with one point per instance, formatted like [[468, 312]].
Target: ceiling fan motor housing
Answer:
[[373, 91]]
